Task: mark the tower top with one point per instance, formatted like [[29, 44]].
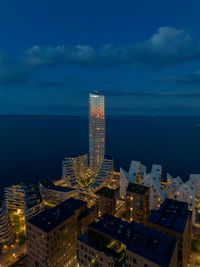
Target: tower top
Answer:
[[96, 93]]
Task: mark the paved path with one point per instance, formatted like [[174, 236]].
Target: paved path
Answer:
[[7, 259]]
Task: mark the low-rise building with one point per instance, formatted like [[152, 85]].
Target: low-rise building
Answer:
[[137, 203], [114, 242], [174, 218], [53, 194]]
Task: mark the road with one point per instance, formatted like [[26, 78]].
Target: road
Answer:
[[7, 259]]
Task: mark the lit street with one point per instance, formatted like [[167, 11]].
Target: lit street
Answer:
[[13, 255]]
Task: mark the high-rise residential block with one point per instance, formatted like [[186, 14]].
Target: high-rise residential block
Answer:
[[6, 233], [114, 242], [137, 203], [74, 170], [52, 234], [106, 201], [22, 202], [175, 219], [96, 131], [105, 174]]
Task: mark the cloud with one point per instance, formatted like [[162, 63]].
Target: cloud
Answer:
[[187, 79], [167, 47], [79, 54]]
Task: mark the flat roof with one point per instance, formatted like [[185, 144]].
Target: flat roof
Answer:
[[50, 185], [96, 93], [151, 244], [49, 219], [172, 214], [137, 189], [106, 192], [108, 157]]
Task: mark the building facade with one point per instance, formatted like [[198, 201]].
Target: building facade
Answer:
[[6, 232], [52, 234], [105, 174], [22, 202], [137, 203], [74, 169], [114, 242], [106, 201], [53, 194], [51, 238], [96, 131], [175, 219]]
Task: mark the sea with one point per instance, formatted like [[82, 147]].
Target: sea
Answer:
[[33, 147]]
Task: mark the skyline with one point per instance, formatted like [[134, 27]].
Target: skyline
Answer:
[[144, 60]]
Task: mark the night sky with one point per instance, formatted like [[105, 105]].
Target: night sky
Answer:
[[143, 55]]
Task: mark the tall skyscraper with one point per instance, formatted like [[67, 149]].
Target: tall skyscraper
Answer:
[[96, 131]]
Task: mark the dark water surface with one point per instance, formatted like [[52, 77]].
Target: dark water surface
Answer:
[[33, 148]]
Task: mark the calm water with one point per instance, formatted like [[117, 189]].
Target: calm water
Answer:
[[33, 148]]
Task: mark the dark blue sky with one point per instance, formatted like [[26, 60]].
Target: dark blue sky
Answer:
[[143, 55]]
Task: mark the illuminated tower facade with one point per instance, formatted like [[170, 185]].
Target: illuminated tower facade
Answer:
[[96, 131]]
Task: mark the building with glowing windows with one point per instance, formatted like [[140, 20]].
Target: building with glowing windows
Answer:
[[52, 234], [96, 131], [6, 233], [74, 170], [137, 203], [111, 242], [175, 219], [22, 202], [54, 194]]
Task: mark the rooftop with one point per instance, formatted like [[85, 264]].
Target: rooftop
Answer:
[[96, 93], [153, 245], [106, 192], [108, 157], [137, 189], [50, 185], [49, 219], [172, 214], [73, 156]]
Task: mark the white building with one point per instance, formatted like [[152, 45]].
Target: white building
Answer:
[[136, 173], [195, 180], [174, 188], [152, 180], [187, 193], [173, 184]]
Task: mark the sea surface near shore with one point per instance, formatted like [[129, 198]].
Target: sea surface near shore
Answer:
[[33, 147]]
